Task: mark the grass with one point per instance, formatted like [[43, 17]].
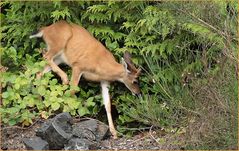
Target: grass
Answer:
[[206, 109]]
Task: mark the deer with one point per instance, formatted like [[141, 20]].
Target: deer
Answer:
[[73, 45]]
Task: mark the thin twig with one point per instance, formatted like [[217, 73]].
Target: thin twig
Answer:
[[136, 140], [195, 112], [143, 128], [88, 118], [19, 127], [10, 127], [150, 130]]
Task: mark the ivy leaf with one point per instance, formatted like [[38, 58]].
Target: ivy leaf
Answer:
[[83, 111], [42, 63], [74, 103], [12, 122], [53, 82], [66, 108], [89, 102], [31, 102], [47, 103], [17, 86], [5, 95], [73, 112], [111, 45], [55, 106], [41, 90]]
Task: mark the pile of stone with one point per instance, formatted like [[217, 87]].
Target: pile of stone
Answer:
[[60, 133]]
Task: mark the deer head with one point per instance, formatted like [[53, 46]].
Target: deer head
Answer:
[[130, 78]]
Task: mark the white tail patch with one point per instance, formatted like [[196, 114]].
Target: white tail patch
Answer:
[[40, 34]]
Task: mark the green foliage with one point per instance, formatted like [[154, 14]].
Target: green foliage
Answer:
[[27, 97], [181, 46]]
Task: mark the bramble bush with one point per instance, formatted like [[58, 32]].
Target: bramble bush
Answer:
[[187, 51]]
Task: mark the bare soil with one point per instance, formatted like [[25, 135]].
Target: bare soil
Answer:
[[11, 139]]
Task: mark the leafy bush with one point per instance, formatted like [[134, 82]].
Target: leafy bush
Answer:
[[27, 97]]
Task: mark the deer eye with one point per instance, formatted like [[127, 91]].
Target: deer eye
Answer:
[[135, 82]]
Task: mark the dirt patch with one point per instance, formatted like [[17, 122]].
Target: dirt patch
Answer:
[[12, 139], [12, 136]]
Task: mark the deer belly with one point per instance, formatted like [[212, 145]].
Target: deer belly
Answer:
[[61, 58], [91, 76]]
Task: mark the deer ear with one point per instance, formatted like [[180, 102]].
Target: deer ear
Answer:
[[138, 72], [128, 60], [125, 65], [127, 56]]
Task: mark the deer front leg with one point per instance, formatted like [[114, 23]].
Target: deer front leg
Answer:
[[58, 71], [107, 103], [49, 56], [75, 78], [46, 69]]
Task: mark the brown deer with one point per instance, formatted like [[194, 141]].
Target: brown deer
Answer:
[[75, 46]]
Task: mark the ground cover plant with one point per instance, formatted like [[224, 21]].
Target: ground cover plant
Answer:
[[187, 50]]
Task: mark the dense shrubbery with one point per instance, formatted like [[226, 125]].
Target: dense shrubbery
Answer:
[[187, 51]]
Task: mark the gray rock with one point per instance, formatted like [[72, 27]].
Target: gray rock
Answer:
[[79, 144], [35, 143], [45, 127], [56, 131], [59, 133], [90, 129], [102, 131], [85, 129]]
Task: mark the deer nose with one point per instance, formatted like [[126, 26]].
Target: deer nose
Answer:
[[139, 95]]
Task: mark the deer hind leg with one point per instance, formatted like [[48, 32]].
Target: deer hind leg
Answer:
[[107, 103]]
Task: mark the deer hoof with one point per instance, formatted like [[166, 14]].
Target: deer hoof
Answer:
[[65, 82], [39, 75], [73, 92], [115, 136]]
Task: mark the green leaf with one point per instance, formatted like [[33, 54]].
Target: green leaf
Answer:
[[73, 112], [74, 103], [55, 106], [23, 105], [53, 82], [5, 120], [42, 63], [12, 122], [83, 111], [47, 102], [5, 95], [54, 93], [13, 110], [41, 90], [89, 102], [76, 88], [31, 102], [44, 81], [17, 86], [66, 108]]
